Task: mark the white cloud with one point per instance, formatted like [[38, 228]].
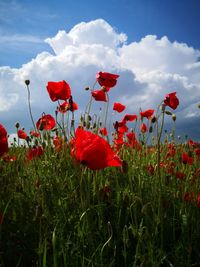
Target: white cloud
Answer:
[[148, 70]]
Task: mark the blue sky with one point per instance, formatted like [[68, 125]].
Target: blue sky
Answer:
[[153, 45], [178, 20]]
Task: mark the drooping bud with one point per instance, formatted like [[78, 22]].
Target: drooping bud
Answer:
[[174, 117], [153, 120], [27, 82], [168, 112], [17, 125]]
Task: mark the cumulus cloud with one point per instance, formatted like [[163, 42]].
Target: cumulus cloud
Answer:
[[148, 69]]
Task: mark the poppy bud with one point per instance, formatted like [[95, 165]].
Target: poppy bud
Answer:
[[17, 125], [27, 82], [168, 112], [150, 129], [88, 125], [89, 118], [174, 117], [87, 88], [153, 120], [199, 106], [94, 125], [81, 118], [28, 139]]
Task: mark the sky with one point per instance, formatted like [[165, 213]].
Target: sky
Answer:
[[154, 46]]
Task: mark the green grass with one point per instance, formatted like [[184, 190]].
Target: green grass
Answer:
[[57, 213]]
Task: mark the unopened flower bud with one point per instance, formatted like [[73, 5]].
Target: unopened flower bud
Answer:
[[17, 125], [153, 120], [89, 118], [150, 129], [168, 112], [87, 88], [174, 117], [27, 82], [88, 125], [199, 106]]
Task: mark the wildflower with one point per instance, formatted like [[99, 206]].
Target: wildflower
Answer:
[[93, 151], [118, 107], [58, 143], [180, 175], [22, 134], [103, 131], [143, 128], [129, 117], [34, 152], [35, 133], [59, 90], [65, 106], [46, 122], [150, 169], [186, 159], [171, 100], [99, 95], [147, 114], [8, 158], [3, 140], [107, 79]]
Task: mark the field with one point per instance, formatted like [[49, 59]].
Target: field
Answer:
[[81, 196]]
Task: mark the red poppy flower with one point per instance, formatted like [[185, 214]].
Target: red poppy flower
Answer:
[[34, 152], [143, 128], [21, 134], [99, 95], [186, 159], [65, 106], [46, 122], [147, 113], [35, 133], [3, 141], [180, 175], [129, 117], [118, 107], [107, 79], [58, 143], [59, 90], [94, 151], [150, 169], [103, 131], [171, 100], [8, 158]]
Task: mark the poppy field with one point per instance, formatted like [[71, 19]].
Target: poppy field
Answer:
[[99, 191]]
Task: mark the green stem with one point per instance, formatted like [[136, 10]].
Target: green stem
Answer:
[[29, 105]]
